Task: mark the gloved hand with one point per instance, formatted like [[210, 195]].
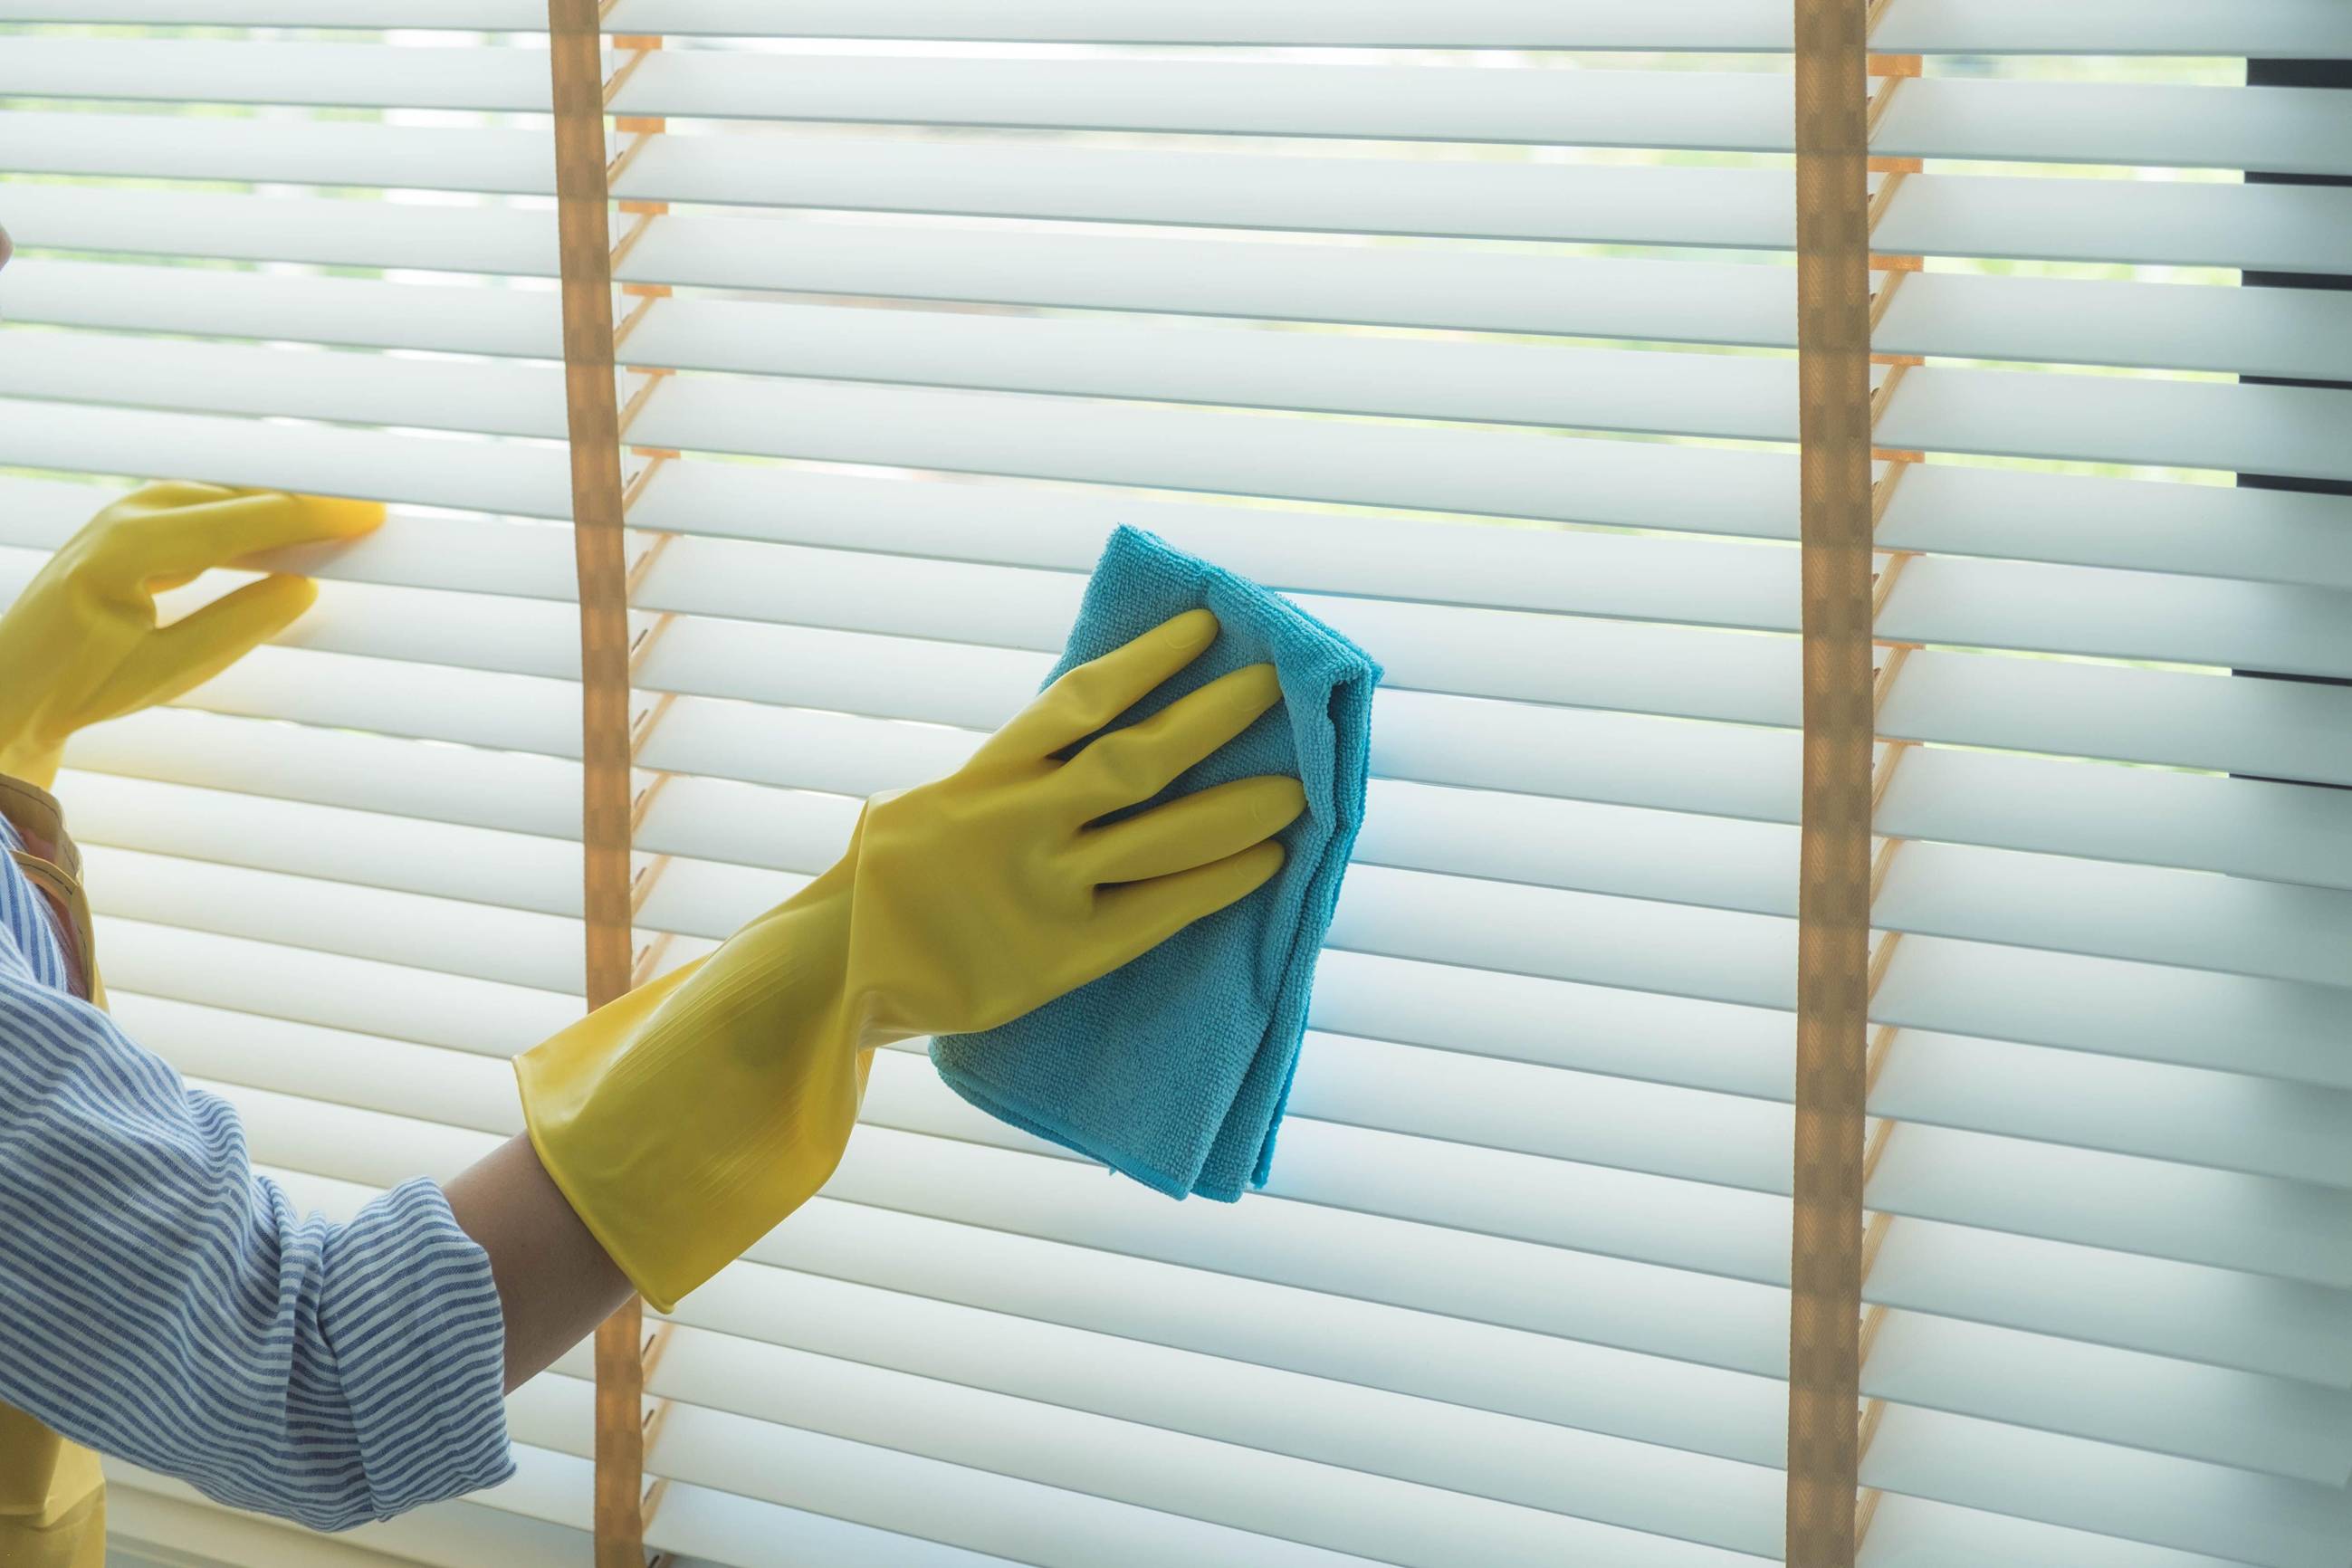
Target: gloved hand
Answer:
[[688, 1118], [80, 643]]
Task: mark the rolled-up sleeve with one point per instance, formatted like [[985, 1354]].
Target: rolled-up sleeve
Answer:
[[161, 1302]]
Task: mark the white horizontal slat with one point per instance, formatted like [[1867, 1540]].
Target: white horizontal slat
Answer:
[[2274, 729], [1651, 1193], [2258, 535], [477, 865], [338, 311], [2271, 1029], [453, 1088], [2243, 827], [2266, 1425], [700, 1525], [1511, 473], [2264, 429], [1714, 25], [2105, 1296], [1121, 1373], [2164, 1502], [2287, 130], [504, 15], [1987, 27], [2168, 1308], [1496, 200], [2272, 331], [864, 1490], [2136, 1108], [330, 990], [2311, 28], [488, 396], [2182, 1311], [2194, 920], [512, 946], [708, 900], [1320, 1345], [1352, 1501], [2120, 615], [2198, 1116], [2287, 227], [1915, 1533], [1708, 394], [1943, 795], [1643, 1215], [341, 75], [2142, 1401], [523, 479], [2133, 614], [2308, 28], [1590, 1296], [2027, 901], [2220, 1218], [997, 1505], [2187, 222], [1981, 702], [2045, 1287], [342, 154], [328, 231], [470, 707], [1210, 1398], [2304, 332], [2223, 1219], [2209, 425], [1373, 102], [2263, 128], [1043, 1525], [716, 819]]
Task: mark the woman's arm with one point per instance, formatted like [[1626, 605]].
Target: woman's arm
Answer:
[[554, 1282], [160, 1303]]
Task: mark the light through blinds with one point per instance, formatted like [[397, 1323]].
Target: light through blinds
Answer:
[[1474, 326]]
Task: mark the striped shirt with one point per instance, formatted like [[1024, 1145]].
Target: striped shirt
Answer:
[[161, 1302]]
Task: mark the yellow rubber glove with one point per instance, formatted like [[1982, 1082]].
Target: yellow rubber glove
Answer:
[[80, 643], [688, 1118]]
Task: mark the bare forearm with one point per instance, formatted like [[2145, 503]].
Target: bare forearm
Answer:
[[555, 1284]]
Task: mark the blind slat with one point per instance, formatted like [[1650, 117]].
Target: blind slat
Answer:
[[2281, 228], [2311, 28], [2253, 535], [1500, 1493], [2277, 129], [2272, 331], [2273, 833], [2269, 429], [2155, 1301], [2225, 1120], [2139, 1497], [2265, 1424], [2226, 1220]]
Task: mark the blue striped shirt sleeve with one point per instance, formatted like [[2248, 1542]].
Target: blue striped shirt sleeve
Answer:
[[161, 1302]]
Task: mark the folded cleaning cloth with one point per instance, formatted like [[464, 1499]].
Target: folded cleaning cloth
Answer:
[[1175, 1068]]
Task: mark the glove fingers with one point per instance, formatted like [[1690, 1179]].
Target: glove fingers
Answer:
[[1200, 828], [1133, 920], [160, 536], [1139, 761], [1100, 691], [175, 659]]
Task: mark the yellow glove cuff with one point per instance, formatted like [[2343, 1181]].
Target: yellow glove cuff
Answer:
[[684, 1119]]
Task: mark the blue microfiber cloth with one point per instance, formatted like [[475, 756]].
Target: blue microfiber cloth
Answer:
[[1175, 1068]]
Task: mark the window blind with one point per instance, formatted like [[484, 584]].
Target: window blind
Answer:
[[1472, 327]]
